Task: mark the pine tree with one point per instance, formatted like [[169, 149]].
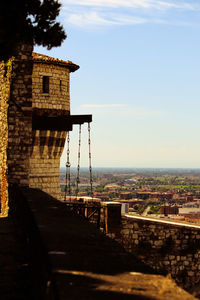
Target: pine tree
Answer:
[[29, 21]]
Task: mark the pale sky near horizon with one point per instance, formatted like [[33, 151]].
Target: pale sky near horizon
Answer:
[[139, 78]]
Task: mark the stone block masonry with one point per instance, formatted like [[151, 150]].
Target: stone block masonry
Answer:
[[5, 80], [167, 247], [20, 118], [38, 87], [50, 97], [58, 96]]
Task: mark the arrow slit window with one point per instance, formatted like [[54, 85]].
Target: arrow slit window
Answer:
[[45, 84]]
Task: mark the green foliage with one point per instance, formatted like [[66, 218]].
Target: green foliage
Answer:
[[141, 209], [113, 195], [99, 189], [155, 209], [31, 22]]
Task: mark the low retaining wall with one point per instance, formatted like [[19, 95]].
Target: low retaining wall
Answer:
[[167, 247]]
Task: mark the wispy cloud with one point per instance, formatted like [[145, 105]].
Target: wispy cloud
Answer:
[[102, 105], [97, 19], [98, 13], [135, 3], [141, 113]]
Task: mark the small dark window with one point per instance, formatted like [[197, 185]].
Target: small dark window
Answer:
[[61, 86], [45, 84]]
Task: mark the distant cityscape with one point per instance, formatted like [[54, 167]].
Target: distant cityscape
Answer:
[[158, 193]]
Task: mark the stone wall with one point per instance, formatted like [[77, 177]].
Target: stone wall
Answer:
[[166, 247], [20, 118], [5, 79], [59, 94], [33, 156]]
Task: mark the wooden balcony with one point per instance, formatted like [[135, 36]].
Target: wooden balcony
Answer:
[[59, 123]]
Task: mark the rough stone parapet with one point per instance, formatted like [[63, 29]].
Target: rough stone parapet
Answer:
[[166, 247]]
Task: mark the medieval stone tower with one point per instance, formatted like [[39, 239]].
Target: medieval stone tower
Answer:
[[51, 99], [38, 119]]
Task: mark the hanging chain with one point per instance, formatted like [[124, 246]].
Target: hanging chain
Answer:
[[90, 160], [79, 160], [67, 178]]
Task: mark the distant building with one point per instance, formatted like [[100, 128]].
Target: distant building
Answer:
[[124, 208], [143, 195], [189, 198], [169, 210], [102, 196], [191, 204], [125, 195], [160, 196], [108, 175], [112, 186]]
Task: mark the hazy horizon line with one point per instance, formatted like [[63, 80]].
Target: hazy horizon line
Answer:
[[136, 168]]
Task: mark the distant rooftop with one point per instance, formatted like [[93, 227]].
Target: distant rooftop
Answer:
[[37, 57]]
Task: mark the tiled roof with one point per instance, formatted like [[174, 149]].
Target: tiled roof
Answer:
[[37, 57]]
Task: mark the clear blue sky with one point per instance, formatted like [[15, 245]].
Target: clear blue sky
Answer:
[[140, 78]]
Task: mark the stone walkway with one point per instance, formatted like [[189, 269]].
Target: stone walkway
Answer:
[[14, 263], [88, 265], [68, 258]]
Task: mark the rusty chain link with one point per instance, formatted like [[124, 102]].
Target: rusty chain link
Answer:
[[90, 160], [79, 160], [67, 177]]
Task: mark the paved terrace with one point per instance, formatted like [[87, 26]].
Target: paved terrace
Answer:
[[66, 257]]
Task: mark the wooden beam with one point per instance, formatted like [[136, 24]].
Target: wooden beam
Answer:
[[59, 123]]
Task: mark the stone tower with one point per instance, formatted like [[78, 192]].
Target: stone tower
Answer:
[[39, 119], [50, 98]]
